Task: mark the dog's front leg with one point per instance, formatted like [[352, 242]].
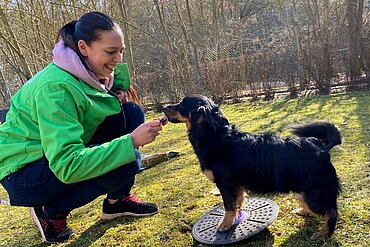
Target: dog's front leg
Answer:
[[233, 198]]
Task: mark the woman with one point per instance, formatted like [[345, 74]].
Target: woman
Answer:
[[59, 151]]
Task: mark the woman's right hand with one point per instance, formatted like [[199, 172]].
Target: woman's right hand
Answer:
[[146, 133]]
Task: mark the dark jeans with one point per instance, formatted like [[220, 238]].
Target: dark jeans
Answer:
[[36, 185]]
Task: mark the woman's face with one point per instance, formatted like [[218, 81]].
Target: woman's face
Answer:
[[103, 55]]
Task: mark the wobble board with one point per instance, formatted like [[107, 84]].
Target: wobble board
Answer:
[[259, 213]]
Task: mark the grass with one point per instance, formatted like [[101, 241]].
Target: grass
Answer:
[[183, 193]]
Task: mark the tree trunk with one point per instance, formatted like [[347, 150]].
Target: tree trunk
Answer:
[[166, 35], [192, 47], [5, 93], [299, 55], [354, 10], [123, 6], [216, 27]]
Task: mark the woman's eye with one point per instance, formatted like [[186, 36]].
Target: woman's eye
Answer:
[[111, 52]]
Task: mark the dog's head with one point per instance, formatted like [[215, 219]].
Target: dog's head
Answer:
[[196, 110]]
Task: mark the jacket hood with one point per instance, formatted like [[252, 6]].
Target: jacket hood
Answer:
[[67, 59]]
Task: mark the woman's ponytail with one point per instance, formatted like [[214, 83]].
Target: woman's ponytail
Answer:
[[67, 33]]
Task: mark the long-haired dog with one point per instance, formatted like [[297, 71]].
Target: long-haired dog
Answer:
[[237, 161]]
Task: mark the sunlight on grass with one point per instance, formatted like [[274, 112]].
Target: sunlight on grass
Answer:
[[183, 193]]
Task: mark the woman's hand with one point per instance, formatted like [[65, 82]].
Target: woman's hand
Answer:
[[122, 96], [146, 133]]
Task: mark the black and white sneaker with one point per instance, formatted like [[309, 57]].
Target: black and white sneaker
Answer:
[[127, 206], [52, 230]]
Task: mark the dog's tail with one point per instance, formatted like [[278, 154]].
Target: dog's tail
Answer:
[[326, 132]]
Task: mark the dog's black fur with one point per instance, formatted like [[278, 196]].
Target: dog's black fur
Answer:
[[237, 161]]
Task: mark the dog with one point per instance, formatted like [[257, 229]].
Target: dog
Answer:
[[238, 161]]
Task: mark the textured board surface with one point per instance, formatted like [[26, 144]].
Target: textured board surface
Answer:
[[258, 214]]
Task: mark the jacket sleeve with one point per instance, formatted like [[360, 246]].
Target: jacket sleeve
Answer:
[[122, 78], [61, 132]]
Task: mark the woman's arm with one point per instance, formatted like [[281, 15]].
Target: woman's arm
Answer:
[[60, 112]]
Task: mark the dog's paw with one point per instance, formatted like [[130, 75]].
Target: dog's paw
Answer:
[[224, 226], [228, 220], [317, 236], [301, 212], [324, 232]]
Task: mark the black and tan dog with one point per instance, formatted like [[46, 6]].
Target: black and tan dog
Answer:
[[237, 161]]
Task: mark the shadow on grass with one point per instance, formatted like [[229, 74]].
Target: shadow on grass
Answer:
[[311, 225], [264, 238], [300, 238], [96, 231]]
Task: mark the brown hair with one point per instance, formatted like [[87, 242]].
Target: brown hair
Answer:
[[131, 93]]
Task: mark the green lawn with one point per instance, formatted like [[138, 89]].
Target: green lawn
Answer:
[[183, 193]]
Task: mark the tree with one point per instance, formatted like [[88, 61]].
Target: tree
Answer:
[[354, 11], [12, 43]]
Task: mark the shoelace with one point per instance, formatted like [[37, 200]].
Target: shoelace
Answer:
[[131, 198], [59, 225]]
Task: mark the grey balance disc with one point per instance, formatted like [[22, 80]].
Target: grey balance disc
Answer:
[[259, 213]]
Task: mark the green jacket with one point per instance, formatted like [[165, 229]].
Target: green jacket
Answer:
[[55, 114]]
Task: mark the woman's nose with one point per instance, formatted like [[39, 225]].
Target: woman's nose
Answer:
[[118, 57]]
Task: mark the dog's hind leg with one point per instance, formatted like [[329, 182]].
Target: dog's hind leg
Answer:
[[303, 209], [322, 205], [241, 199], [233, 198], [330, 220]]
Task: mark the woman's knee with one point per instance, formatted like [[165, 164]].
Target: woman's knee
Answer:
[[133, 107], [134, 110], [127, 171]]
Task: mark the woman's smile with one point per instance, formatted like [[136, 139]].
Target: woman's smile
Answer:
[[110, 67]]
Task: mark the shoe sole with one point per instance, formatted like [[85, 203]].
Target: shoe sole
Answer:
[[36, 219], [107, 217]]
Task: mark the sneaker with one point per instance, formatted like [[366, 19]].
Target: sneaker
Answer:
[[127, 206], [52, 231]]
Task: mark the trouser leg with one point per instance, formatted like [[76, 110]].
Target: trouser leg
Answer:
[[40, 187]]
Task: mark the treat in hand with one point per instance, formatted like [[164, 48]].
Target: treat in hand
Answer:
[[163, 121]]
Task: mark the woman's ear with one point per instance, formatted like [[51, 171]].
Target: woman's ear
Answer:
[[82, 47]]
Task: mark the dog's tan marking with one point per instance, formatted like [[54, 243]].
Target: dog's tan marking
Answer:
[[176, 115], [324, 231], [228, 221], [179, 117], [303, 209], [188, 125], [241, 200], [231, 216], [209, 175]]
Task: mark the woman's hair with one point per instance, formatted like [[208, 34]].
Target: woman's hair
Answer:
[[88, 28], [131, 93]]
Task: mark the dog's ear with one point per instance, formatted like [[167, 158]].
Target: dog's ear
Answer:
[[206, 115]]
